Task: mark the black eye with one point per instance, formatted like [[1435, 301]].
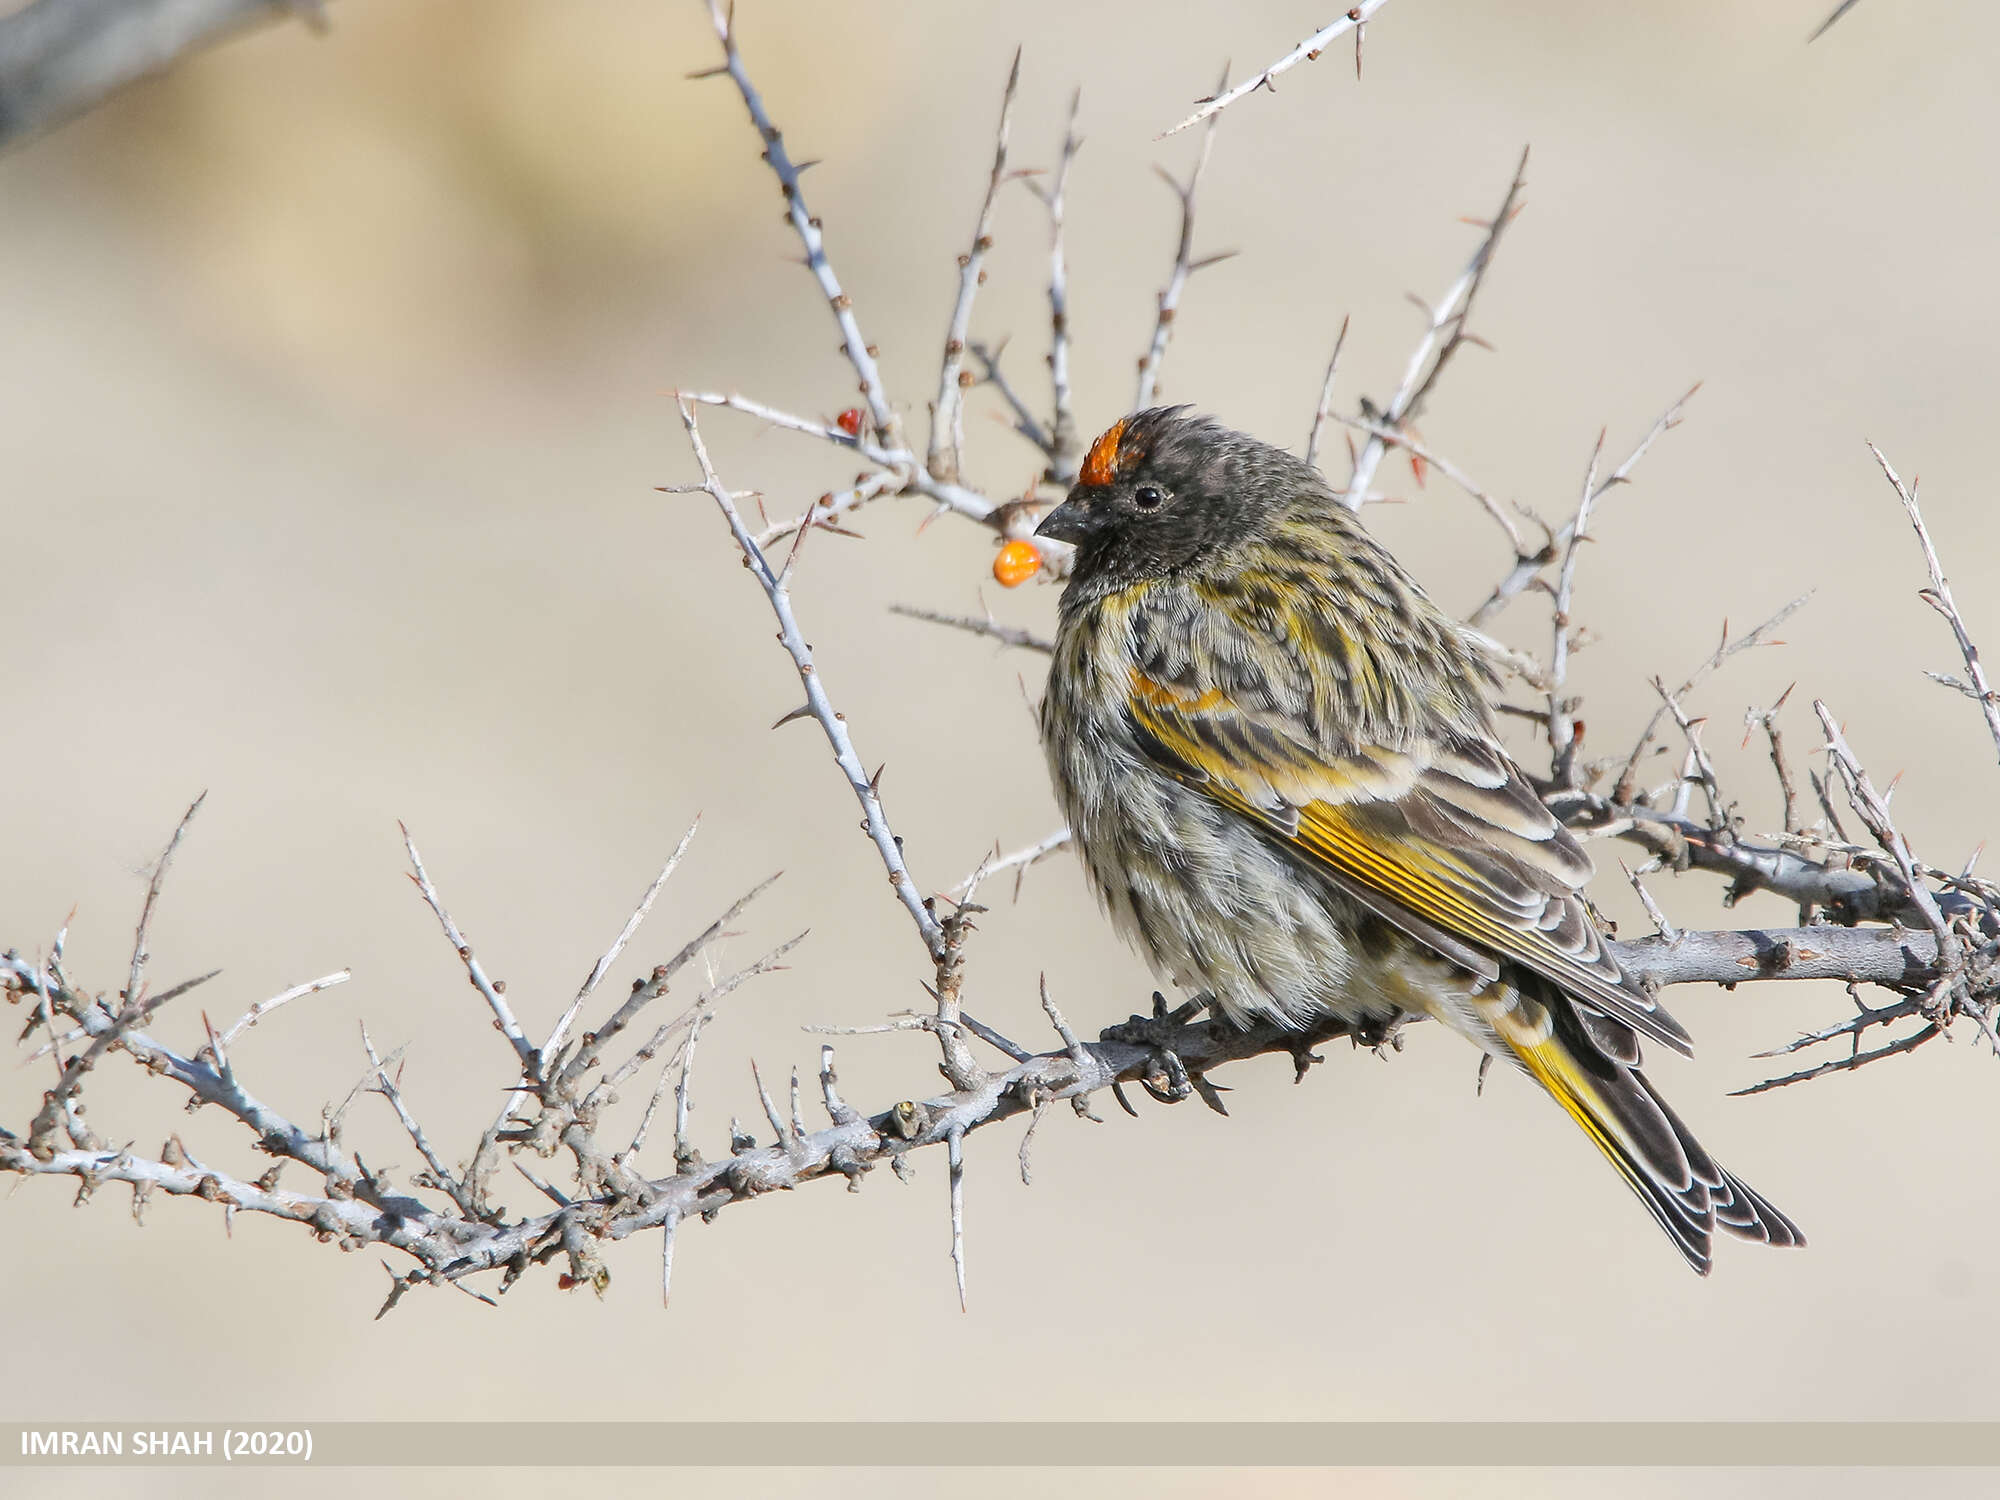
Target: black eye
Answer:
[[1148, 497]]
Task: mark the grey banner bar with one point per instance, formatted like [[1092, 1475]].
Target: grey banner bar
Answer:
[[1005, 1444]]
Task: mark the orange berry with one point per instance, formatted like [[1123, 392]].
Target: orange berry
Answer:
[[849, 421], [1017, 563]]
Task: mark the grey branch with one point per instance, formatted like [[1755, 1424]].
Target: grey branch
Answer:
[[1430, 457], [1019, 862], [1025, 421], [61, 58], [1562, 739], [1724, 650], [1938, 597], [860, 353], [1006, 635], [947, 441], [1306, 51], [449, 1244], [1838, 11], [1063, 444], [1445, 333], [1527, 569], [1184, 266], [902, 470], [1325, 408], [834, 724]]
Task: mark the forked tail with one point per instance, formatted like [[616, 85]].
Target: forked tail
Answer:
[[1638, 1132]]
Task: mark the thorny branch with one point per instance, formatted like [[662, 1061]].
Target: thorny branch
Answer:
[[1938, 597], [1185, 265], [860, 353], [1355, 20], [449, 1244], [817, 702], [1528, 569], [1064, 446], [948, 411], [1447, 332], [1724, 650]]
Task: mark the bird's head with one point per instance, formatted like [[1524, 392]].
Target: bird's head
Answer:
[[1165, 488]]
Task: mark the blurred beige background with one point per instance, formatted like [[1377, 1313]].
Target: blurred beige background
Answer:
[[336, 373]]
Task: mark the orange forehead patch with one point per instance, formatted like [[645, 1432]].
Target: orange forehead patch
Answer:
[[1100, 464]]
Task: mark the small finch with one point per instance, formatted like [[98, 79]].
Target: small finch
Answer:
[[1281, 766]]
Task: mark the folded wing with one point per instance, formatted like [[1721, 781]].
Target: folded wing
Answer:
[[1444, 838]]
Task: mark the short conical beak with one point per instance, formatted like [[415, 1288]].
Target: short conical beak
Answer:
[[1068, 522]]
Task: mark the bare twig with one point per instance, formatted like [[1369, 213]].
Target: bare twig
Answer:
[[1184, 266], [834, 725], [1410, 444], [955, 1157], [1910, 1043], [1661, 925], [1874, 812], [61, 58], [503, 1014], [1444, 335], [1325, 407], [139, 953], [1703, 769], [1562, 731], [208, 1082], [703, 1006], [1862, 1020], [1527, 569], [860, 353], [570, 1074], [684, 1154], [1006, 635], [770, 1109], [1725, 648], [1064, 448], [1025, 421], [947, 440], [440, 1175], [1306, 51], [832, 506], [1938, 595], [958, 1065], [1018, 861], [263, 1008], [1780, 762], [1838, 11], [907, 472], [610, 955]]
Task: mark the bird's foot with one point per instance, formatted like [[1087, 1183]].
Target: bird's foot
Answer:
[[1166, 1078]]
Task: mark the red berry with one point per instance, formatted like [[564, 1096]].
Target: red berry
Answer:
[[849, 421]]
